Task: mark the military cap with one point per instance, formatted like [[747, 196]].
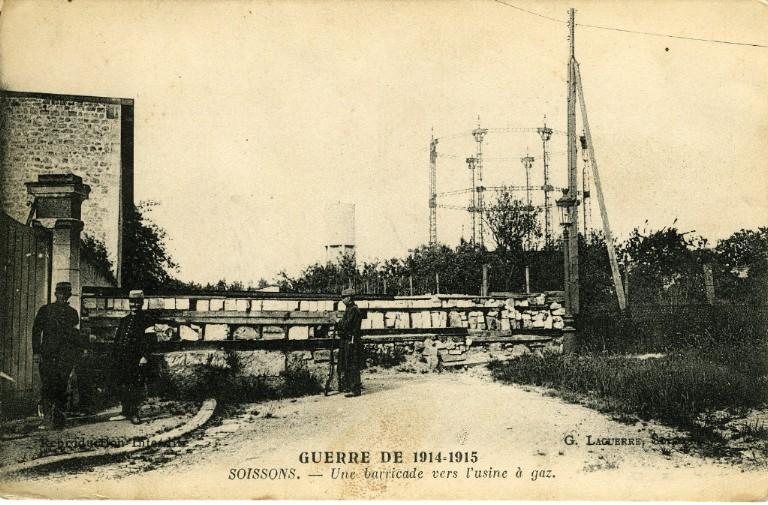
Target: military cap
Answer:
[[348, 292], [64, 286], [135, 294]]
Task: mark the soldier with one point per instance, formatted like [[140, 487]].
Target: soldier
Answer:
[[131, 351], [56, 347], [351, 351]]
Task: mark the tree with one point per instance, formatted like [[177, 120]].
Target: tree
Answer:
[[665, 266], [743, 266], [95, 251], [147, 264], [514, 224]]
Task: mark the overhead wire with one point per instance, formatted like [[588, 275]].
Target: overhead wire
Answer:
[[635, 32]]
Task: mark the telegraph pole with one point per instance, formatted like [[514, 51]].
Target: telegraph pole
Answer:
[[572, 245]]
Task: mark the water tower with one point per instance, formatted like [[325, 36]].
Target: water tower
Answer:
[[339, 230]]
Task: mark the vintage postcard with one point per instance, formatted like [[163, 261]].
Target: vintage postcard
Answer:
[[374, 250]]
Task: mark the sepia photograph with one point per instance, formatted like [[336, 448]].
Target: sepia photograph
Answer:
[[384, 249]]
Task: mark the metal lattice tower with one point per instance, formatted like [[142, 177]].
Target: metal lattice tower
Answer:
[[546, 135], [472, 166], [479, 134], [433, 191], [528, 164], [585, 185]]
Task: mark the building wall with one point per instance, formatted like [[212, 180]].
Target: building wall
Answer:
[[91, 137]]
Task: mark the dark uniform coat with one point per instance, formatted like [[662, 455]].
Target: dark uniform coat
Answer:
[[351, 352], [57, 340], [130, 346]]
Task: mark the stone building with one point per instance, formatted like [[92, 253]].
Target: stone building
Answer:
[[92, 137]]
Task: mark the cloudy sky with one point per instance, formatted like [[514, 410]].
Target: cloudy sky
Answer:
[[252, 116]]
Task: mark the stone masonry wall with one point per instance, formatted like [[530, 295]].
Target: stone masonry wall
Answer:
[[412, 334], [44, 133]]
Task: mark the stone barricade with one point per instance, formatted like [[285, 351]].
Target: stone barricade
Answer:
[[274, 339]]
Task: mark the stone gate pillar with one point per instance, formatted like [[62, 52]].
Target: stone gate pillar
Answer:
[[58, 199]]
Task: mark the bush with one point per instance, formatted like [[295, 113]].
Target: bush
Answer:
[[678, 388]]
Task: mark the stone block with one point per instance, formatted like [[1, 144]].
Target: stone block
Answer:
[[202, 305], [541, 299], [230, 305], [454, 319], [377, 319], [321, 355], [169, 303], [110, 303], [190, 333], [558, 312], [272, 305], [505, 326], [242, 305], [521, 303], [363, 304], [455, 352], [304, 305], [298, 333], [155, 303], [342, 307], [291, 305], [554, 306], [262, 363], [246, 333], [548, 323], [537, 323], [273, 333], [403, 320], [217, 304], [390, 319], [558, 325], [365, 324], [464, 303], [182, 303], [216, 332], [256, 305]]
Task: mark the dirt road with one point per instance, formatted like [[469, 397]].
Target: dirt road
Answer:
[[549, 449]]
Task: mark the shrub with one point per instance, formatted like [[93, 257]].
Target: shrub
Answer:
[[677, 388]]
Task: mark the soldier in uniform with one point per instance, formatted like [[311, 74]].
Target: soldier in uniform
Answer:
[[351, 351], [131, 351], [56, 347]]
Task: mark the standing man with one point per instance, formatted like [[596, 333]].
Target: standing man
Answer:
[[131, 351], [56, 347], [351, 355]]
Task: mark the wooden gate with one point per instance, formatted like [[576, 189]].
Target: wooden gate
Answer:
[[25, 266]]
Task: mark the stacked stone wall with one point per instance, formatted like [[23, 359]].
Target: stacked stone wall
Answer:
[[412, 334]]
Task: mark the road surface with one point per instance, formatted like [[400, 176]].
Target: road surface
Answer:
[[492, 441]]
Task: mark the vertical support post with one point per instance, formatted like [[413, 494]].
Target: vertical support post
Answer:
[[527, 279], [410, 283], [572, 281], [709, 283], [433, 191], [58, 201], [437, 283], [485, 280]]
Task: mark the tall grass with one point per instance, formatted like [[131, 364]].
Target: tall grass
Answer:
[[678, 388]]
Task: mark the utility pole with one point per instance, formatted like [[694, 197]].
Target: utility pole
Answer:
[[471, 165], [546, 135], [527, 164], [433, 191], [479, 134], [572, 267]]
